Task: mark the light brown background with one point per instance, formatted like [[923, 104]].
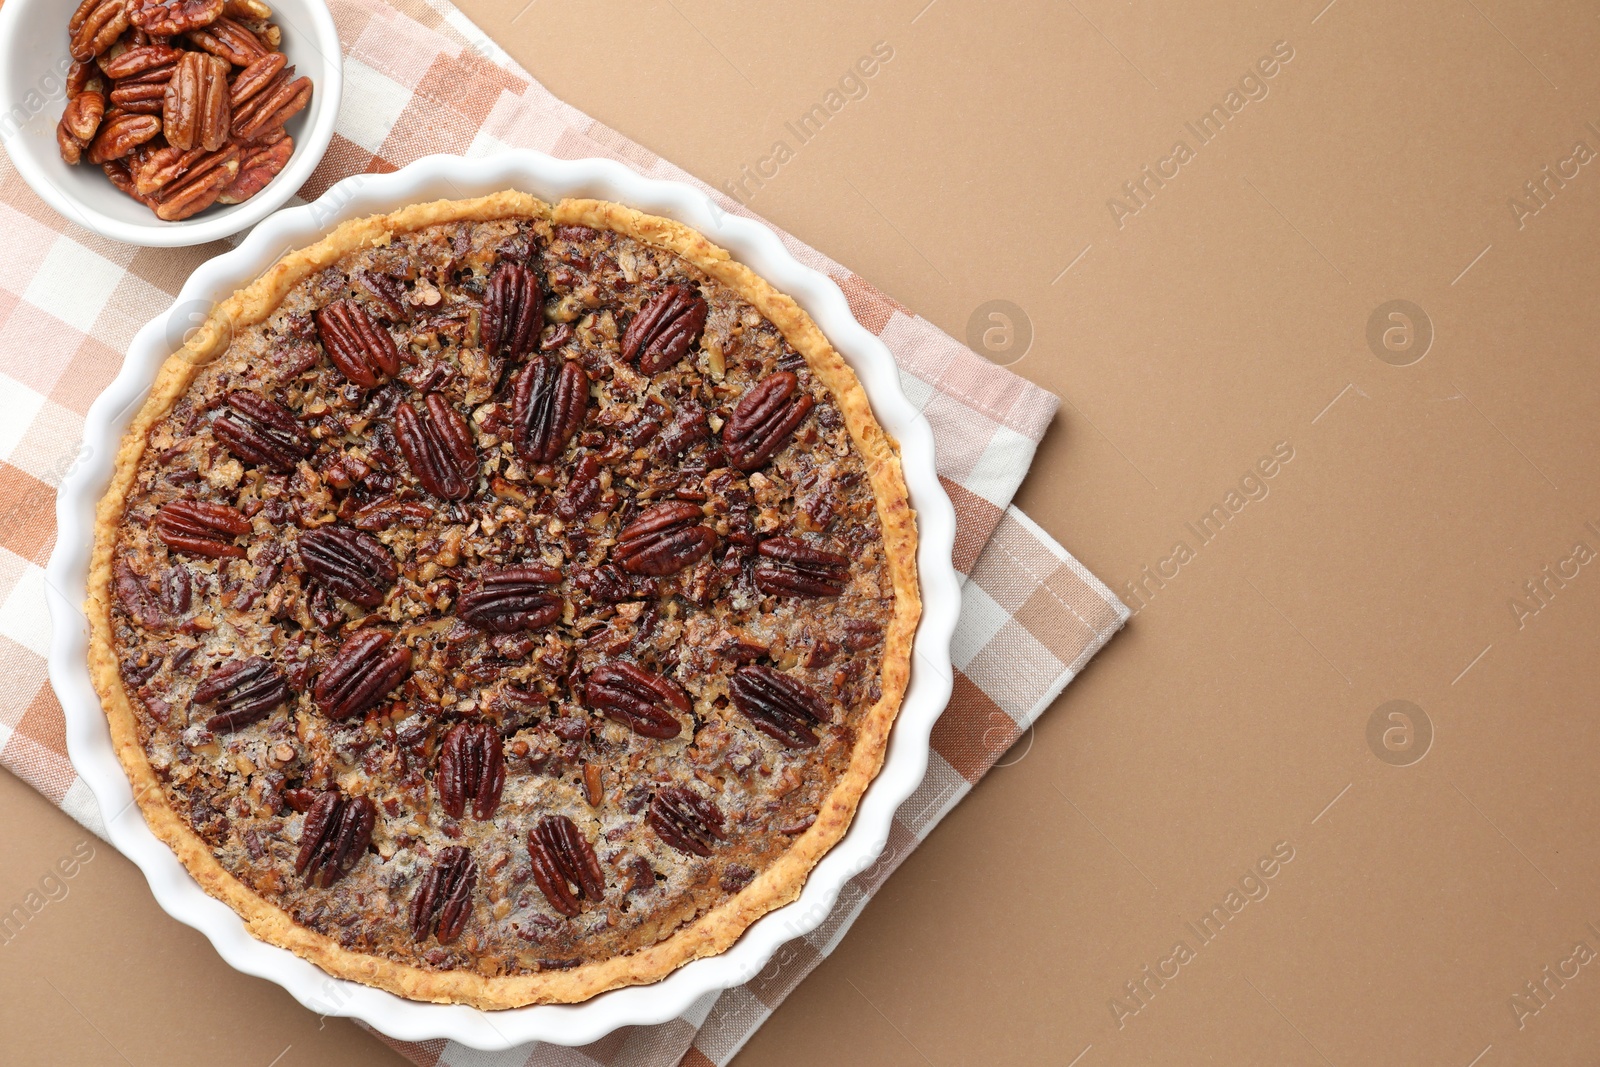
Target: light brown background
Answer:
[[1228, 315]]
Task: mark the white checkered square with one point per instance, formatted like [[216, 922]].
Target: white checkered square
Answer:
[[73, 284], [371, 105], [23, 616], [18, 407]]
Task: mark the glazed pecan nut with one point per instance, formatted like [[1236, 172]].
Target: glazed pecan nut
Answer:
[[195, 109], [169, 18], [334, 837], [200, 187], [265, 112], [357, 345], [155, 168], [229, 41], [367, 666], [663, 540], [437, 444], [472, 767], [117, 172], [763, 420], [140, 98], [121, 134], [95, 27], [783, 708], [349, 563], [257, 168], [149, 62], [71, 151], [661, 333], [511, 599], [202, 529], [256, 77], [645, 703], [790, 567], [243, 692], [261, 431], [583, 490], [84, 76], [443, 902], [564, 865], [513, 312], [83, 115], [548, 405], [685, 821]]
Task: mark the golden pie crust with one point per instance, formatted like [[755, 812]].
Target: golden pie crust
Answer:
[[710, 932]]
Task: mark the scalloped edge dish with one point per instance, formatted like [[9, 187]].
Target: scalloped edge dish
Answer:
[[447, 177]]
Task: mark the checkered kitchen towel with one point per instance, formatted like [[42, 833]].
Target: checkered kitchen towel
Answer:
[[420, 78]]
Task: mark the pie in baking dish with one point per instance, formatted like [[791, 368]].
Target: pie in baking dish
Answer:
[[501, 602]]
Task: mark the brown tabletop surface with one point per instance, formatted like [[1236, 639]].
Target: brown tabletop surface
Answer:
[[1317, 286]]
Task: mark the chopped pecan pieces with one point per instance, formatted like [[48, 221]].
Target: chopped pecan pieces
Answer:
[[335, 836], [661, 333], [686, 822], [368, 665], [350, 563], [763, 420], [202, 529], [513, 312], [664, 540], [389, 293], [195, 112], [258, 430], [783, 708], [790, 567], [361, 349], [438, 447], [564, 865], [509, 599], [243, 692], [472, 767], [444, 900], [548, 405], [645, 703]]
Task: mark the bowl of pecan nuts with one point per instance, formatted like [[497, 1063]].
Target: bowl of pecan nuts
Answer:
[[167, 122]]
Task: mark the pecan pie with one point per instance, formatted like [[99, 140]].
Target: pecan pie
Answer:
[[500, 602]]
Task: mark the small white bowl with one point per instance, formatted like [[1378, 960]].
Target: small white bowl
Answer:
[[33, 67], [441, 177]]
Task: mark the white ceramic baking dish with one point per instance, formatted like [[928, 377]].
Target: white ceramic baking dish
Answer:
[[437, 177]]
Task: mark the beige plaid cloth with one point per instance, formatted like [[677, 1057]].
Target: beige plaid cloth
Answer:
[[420, 78]]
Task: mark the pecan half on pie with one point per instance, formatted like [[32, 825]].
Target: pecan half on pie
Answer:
[[500, 603]]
